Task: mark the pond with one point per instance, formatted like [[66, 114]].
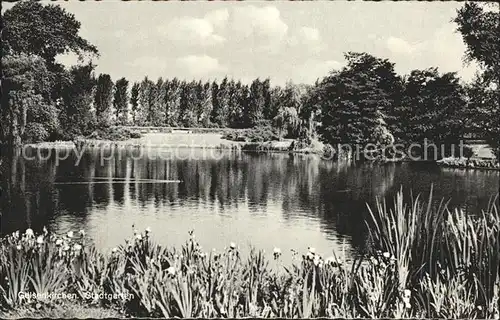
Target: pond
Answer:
[[265, 200]]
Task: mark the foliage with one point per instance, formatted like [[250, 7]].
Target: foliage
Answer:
[[479, 27], [120, 101], [479, 32], [76, 116], [432, 107], [33, 36], [42, 30], [25, 98], [364, 102], [103, 100], [259, 134], [355, 100]]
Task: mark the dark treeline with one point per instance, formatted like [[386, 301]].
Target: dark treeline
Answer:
[[365, 101]]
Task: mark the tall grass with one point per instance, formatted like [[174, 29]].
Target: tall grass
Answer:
[[424, 261]]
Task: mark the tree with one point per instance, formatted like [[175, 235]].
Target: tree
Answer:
[[172, 102], [120, 101], [79, 88], [43, 30], [32, 29], [355, 100], [26, 111], [134, 101], [144, 108], [479, 29], [220, 111], [432, 107], [103, 99], [256, 104], [287, 120], [205, 106]]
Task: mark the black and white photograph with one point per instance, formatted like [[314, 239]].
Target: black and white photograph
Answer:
[[250, 159]]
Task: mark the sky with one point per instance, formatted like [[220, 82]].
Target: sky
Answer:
[[297, 41]]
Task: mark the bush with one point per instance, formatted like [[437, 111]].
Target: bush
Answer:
[[35, 132], [257, 134], [135, 135]]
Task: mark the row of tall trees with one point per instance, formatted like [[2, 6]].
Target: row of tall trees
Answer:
[[172, 102]]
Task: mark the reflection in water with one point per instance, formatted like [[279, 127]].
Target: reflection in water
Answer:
[[268, 200]]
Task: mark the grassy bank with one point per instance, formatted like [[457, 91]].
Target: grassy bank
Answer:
[[423, 261]]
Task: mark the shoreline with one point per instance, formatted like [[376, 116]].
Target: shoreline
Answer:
[[215, 142]]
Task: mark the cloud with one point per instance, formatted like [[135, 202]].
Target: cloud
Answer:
[[399, 46], [199, 65], [259, 22], [309, 34], [442, 49], [218, 18], [313, 69], [308, 39], [196, 31]]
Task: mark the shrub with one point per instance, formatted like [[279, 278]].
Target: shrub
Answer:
[[35, 132]]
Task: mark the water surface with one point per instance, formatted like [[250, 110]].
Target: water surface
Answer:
[[267, 200]]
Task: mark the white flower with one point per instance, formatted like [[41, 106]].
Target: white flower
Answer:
[[66, 247], [136, 231], [19, 247], [171, 271], [138, 236], [316, 260], [29, 232], [82, 232], [39, 239], [277, 251], [148, 230], [203, 254], [77, 247], [115, 250], [16, 234], [59, 242], [407, 293], [70, 234], [312, 250], [232, 245], [386, 255]]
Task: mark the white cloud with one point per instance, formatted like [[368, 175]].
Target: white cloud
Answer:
[[199, 65], [399, 46], [218, 18], [309, 34], [196, 31], [308, 39], [262, 22], [314, 69], [149, 63], [442, 49]]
